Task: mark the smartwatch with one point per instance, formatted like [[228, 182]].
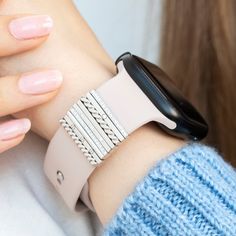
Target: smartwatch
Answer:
[[100, 120]]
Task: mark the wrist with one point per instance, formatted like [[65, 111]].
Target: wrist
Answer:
[[126, 166], [75, 85]]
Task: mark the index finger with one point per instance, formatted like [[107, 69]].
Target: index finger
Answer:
[[23, 32]]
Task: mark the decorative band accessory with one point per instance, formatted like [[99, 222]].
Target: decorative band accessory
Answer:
[[93, 127]]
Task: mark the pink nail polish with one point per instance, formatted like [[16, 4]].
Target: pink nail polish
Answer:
[[30, 27], [14, 128], [40, 82]]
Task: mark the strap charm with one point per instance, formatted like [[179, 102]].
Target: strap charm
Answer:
[[93, 127]]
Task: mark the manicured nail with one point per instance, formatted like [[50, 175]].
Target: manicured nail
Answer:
[[40, 82], [14, 128], [30, 27]]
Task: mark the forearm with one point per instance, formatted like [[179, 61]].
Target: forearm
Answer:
[[74, 50]]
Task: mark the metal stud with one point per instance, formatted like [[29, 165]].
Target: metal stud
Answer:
[[60, 177]]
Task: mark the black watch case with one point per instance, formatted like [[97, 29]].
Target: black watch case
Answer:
[[159, 88]]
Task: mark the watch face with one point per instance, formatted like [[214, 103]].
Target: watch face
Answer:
[[159, 88], [160, 79]]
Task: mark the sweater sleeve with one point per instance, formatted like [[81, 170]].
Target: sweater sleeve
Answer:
[[191, 192]]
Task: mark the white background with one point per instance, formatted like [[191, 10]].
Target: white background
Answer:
[[125, 25]]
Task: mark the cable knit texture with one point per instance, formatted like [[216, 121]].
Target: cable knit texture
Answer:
[[191, 192]]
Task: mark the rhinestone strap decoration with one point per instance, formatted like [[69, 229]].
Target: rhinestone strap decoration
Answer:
[[93, 127]]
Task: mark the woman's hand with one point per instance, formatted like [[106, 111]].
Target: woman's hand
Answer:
[[19, 92], [71, 47]]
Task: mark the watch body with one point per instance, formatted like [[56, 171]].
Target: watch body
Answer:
[[159, 88]]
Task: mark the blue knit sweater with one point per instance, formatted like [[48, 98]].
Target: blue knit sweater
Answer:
[[191, 192]]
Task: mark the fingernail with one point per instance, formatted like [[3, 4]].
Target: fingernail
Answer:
[[14, 128], [40, 82], [30, 27]]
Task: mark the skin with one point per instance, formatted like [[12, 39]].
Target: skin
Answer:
[[11, 99], [73, 48]]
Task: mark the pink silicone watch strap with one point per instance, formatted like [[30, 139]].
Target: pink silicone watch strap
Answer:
[[131, 108], [64, 156]]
